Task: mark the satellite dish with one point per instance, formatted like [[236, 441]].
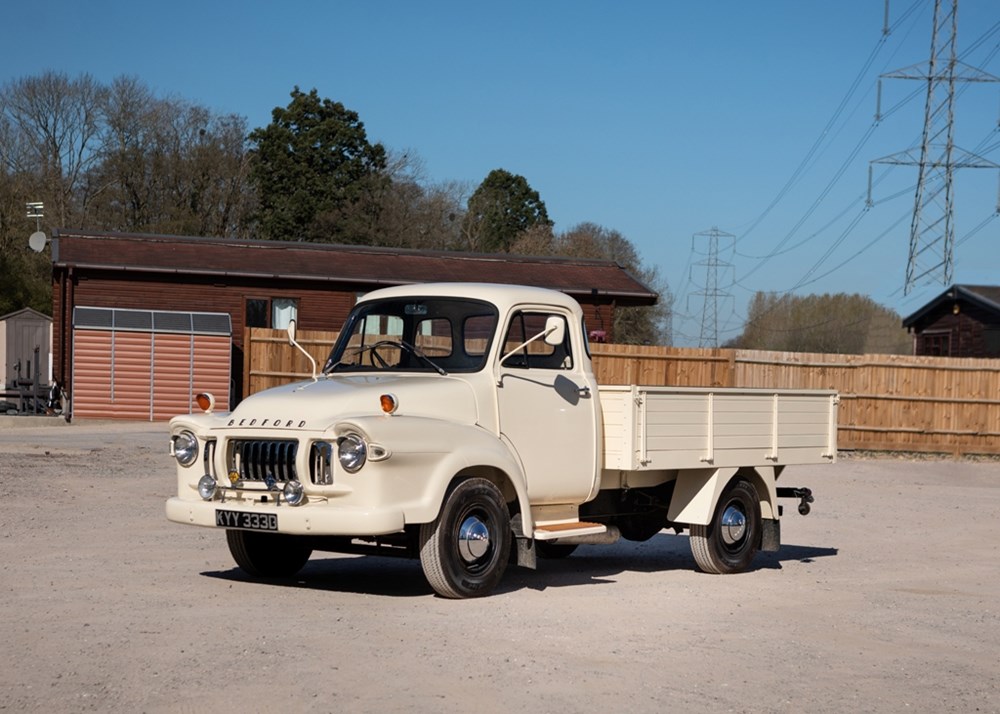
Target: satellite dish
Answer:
[[37, 241]]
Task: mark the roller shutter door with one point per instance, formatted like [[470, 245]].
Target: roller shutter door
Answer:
[[145, 364]]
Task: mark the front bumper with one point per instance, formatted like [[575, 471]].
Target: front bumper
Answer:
[[300, 520]]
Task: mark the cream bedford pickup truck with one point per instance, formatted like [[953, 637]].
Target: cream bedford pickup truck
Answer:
[[461, 424]]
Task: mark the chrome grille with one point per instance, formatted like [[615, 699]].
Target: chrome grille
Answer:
[[320, 463], [259, 459]]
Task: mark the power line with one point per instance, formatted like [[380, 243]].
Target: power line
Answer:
[[831, 122]]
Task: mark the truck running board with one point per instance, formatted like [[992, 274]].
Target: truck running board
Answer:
[[552, 531]]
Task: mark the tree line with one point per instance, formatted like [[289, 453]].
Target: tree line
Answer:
[[117, 157], [833, 324]]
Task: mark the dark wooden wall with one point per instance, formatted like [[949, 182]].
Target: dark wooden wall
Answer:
[[965, 330]]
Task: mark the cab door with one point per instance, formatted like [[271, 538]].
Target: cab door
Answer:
[[548, 408]]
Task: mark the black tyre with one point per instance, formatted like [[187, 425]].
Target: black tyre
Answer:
[[464, 551], [729, 543], [267, 555], [554, 550]]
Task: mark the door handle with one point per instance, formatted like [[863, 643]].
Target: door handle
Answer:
[[584, 392]]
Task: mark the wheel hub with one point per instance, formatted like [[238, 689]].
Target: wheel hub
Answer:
[[473, 539], [733, 525]]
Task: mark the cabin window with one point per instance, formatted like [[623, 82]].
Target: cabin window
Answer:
[[936, 344], [275, 313], [538, 354]]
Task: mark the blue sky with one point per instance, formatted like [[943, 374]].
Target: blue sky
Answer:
[[660, 120]]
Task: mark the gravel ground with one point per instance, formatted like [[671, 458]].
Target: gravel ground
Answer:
[[886, 598]]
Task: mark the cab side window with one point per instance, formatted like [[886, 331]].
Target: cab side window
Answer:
[[539, 354]]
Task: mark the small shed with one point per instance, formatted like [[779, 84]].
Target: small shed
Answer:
[[25, 353], [963, 321], [138, 282]]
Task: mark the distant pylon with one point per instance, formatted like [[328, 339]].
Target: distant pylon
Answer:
[[932, 227], [712, 295]]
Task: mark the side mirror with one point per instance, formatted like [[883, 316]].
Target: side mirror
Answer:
[[555, 330], [290, 330]]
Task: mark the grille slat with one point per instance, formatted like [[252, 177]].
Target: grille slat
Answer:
[[255, 459]]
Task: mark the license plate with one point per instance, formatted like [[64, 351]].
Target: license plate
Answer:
[[246, 521]]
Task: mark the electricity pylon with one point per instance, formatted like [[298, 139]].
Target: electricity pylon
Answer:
[[932, 227], [712, 295]]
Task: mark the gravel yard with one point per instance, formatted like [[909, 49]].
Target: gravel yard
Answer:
[[885, 598]]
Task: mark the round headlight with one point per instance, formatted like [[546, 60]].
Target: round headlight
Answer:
[[207, 487], [185, 448], [352, 452], [293, 493]]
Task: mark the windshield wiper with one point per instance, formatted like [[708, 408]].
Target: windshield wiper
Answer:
[[427, 360]]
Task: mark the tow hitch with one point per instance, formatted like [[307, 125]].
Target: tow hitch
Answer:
[[804, 495]]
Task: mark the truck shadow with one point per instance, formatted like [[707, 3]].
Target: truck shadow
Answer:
[[589, 565], [360, 574], [594, 565]]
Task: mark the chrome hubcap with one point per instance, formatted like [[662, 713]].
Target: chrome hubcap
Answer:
[[473, 539], [733, 525]]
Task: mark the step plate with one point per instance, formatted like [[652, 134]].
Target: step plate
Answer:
[[552, 531]]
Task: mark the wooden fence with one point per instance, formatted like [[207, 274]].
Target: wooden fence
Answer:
[[888, 402]]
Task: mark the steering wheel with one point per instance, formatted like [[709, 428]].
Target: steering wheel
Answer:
[[375, 356]]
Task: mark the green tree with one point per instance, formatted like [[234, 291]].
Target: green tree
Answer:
[[317, 177], [840, 323], [503, 207]]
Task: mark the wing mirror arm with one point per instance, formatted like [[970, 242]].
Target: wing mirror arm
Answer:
[[291, 338]]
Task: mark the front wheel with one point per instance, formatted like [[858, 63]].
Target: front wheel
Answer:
[[464, 551], [730, 541], [267, 555]]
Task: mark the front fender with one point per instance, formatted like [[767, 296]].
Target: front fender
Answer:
[[425, 455]]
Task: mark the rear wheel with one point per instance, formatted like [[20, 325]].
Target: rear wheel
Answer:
[[464, 551], [267, 555], [729, 543]]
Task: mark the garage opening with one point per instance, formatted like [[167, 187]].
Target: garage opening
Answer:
[[147, 364]]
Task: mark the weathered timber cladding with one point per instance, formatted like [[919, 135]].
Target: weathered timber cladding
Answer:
[[965, 330], [964, 321]]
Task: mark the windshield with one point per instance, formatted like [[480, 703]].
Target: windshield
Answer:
[[415, 335]]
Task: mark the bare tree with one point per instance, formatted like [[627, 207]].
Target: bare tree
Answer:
[[52, 132], [24, 274], [414, 213], [836, 324], [169, 166], [632, 325]]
